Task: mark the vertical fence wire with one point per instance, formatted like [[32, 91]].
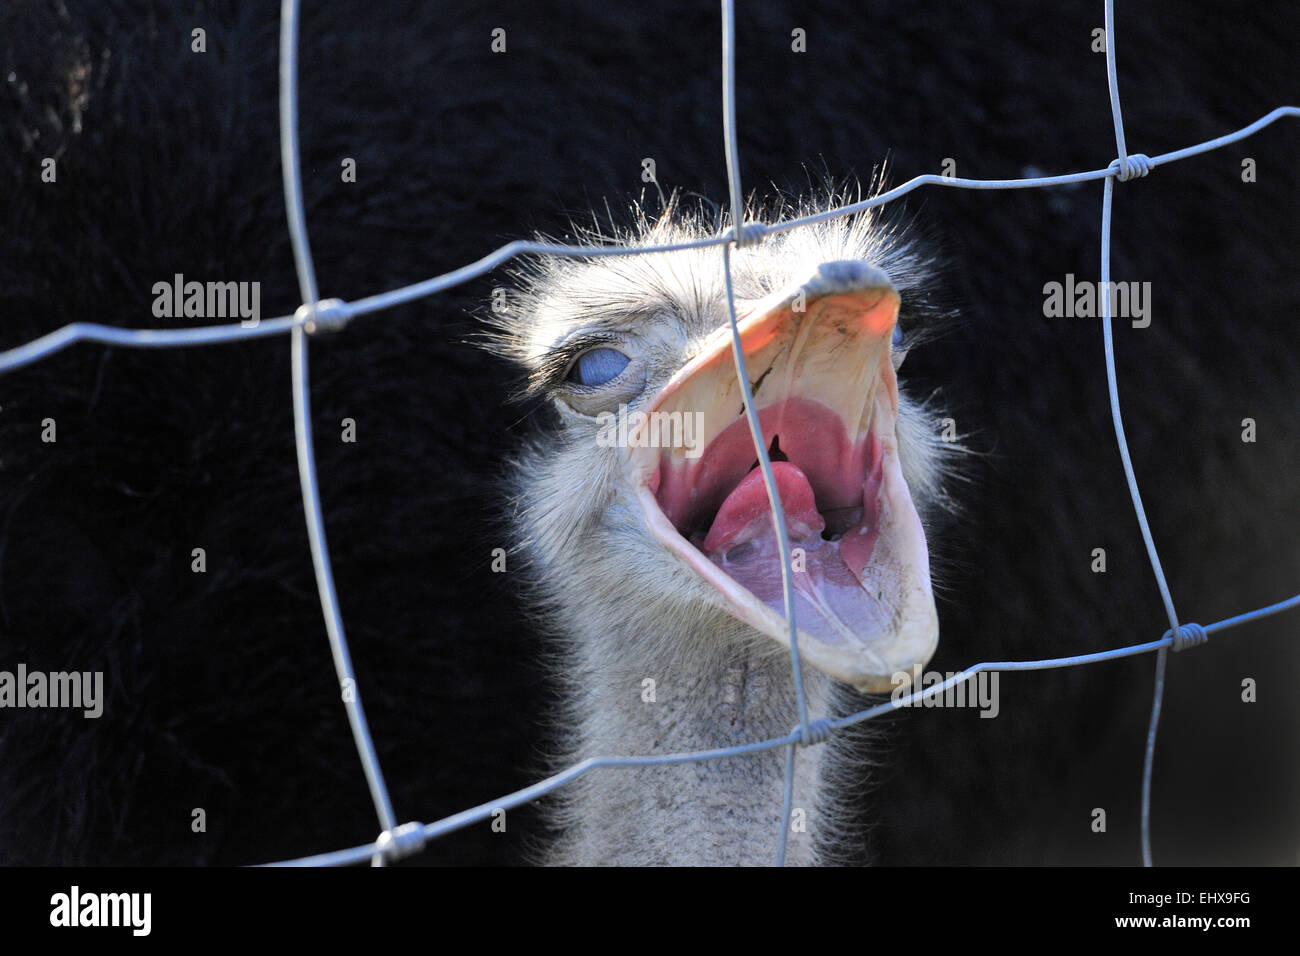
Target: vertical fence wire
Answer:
[[320, 555], [1162, 656], [732, 150]]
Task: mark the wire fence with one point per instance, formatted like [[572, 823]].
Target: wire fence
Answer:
[[397, 841]]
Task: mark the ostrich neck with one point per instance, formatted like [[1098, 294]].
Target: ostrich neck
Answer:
[[709, 690]]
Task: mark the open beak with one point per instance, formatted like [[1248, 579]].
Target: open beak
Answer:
[[819, 359]]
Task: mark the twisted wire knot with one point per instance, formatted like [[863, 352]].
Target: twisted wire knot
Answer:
[[1189, 635], [400, 841], [814, 732], [1133, 166], [329, 315], [750, 233]]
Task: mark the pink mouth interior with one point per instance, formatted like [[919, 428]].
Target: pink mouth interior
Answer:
[[830, 489]]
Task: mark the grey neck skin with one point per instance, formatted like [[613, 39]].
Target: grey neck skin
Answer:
[[721, 812]]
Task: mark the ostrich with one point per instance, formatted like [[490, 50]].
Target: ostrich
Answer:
[[652, 558]]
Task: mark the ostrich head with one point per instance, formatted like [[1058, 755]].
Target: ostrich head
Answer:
[[645, 502]]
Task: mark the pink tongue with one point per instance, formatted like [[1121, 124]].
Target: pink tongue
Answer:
[[745, 515]]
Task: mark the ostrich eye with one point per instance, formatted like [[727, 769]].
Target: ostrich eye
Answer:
[[598, 367]]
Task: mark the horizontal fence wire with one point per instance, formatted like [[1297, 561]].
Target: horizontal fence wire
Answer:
[[317, 315], [484, 811], [343, 312]]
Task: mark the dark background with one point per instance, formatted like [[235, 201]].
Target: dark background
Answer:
[[221, 690]]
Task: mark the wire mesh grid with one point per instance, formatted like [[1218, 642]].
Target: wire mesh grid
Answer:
[[396, 841]]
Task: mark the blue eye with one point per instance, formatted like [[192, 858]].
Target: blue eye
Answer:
[[598, 367]]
